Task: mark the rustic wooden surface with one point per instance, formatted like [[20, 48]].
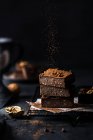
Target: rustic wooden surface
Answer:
[[72, 127]]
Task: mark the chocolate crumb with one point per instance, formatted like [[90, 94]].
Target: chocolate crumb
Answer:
[[52, 131], [63, 130], [47, 130]]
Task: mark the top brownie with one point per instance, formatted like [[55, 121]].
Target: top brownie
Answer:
[[56, 77]]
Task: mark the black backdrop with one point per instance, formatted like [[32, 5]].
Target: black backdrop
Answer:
[[27, 23]]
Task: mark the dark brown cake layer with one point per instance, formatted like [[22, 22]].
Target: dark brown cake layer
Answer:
[[62, 82], [54, 91], [57, 102]]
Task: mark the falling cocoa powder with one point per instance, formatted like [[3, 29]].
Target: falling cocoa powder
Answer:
[[53, 43]]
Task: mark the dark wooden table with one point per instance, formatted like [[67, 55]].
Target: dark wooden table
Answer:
[[43, 127]]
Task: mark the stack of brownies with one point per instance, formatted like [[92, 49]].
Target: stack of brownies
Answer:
[[56, 88]]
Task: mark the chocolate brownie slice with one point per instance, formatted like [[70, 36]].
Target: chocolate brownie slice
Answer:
[[56, 91], [56, 78], [57, 102]]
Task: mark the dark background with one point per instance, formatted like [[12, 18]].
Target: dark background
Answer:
[[27, 23]]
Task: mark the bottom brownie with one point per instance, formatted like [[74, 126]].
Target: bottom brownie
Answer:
[[57, 102]]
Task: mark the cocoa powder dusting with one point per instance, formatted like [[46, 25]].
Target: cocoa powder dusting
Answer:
[[56, 73]]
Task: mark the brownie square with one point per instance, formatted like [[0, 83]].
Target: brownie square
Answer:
[[56, 91], [60, 78], [57, 102]]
